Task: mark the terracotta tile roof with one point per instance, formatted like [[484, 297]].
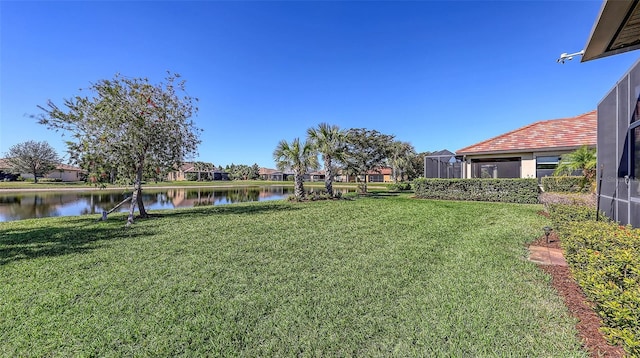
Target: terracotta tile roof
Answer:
[[571, 132], [186, 167], [383, 171], [266, 171], [68, 167]]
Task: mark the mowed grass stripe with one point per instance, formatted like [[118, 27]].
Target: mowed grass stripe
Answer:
[[380, 276]]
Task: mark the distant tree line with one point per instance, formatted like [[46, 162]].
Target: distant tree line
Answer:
[[355, 151]]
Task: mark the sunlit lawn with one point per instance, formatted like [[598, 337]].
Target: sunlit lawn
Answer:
[[379, 276]]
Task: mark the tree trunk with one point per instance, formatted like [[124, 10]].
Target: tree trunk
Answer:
[[328, 177], [133, 203], [143, 211], [136, 198], [35, 175], [298, 190], [364, 185]]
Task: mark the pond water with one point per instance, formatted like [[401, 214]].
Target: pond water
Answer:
[[26, 205]]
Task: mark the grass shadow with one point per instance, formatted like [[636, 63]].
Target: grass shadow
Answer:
[[378, 194], [72, 237], [229, 209]]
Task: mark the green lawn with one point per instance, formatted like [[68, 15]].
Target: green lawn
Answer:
[[378, 276]]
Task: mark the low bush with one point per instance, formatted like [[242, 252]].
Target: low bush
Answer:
[[400, 186], [605, 260], [564, 214], [523, 191], [569, 198], [566, 184]]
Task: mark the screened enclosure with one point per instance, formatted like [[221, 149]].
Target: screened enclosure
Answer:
[[495, 168], [442, 165], [619, 150]]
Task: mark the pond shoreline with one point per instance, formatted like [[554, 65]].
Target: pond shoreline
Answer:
[[164, 187], [14, 190]]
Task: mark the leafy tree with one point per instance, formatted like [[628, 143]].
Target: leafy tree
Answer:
[[582, 159], [130, 123], [329, 141], [37, 158], [367, 150], [240, 172], [299, 157], [255, 171], [204, 167], [400, 157], [417, 166]]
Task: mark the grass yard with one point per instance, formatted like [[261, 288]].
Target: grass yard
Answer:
[[378, 276]]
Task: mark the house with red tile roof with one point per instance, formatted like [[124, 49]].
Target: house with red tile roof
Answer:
[[532, 151], [379, 175], [180, 174], [62, 172]]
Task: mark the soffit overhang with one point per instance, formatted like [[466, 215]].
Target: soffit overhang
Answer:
[[616, 30]]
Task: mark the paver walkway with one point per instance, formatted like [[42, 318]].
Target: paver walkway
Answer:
[[546, 256]]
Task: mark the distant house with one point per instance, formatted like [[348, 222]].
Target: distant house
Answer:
[[274, 174], [532, 151], [189, 168], [277, 175], [62, 172], [380, 175], [315, 176]]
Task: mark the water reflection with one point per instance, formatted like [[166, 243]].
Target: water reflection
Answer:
[[17, 206]]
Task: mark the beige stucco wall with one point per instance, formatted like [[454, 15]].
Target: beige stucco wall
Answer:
[[527, 164]]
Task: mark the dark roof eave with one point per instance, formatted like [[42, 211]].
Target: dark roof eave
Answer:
[[525, 150]]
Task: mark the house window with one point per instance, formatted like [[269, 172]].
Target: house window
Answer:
[[545, 166], [495, 168], [376, 178]]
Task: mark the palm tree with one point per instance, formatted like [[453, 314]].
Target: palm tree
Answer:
[[400, 158], [583, 158], [298, 157], [328, 140]]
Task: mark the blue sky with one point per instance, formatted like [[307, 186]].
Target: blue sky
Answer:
[[440, 75]]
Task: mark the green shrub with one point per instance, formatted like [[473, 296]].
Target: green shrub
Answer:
[[566, 184], [605, 260], [399, 186], [569, 198], [563, 214], [524, 191]]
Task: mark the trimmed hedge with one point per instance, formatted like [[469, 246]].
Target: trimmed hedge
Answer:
[[399, 186], [564, 214], [605, 260], [523, 191], [566, 184]]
